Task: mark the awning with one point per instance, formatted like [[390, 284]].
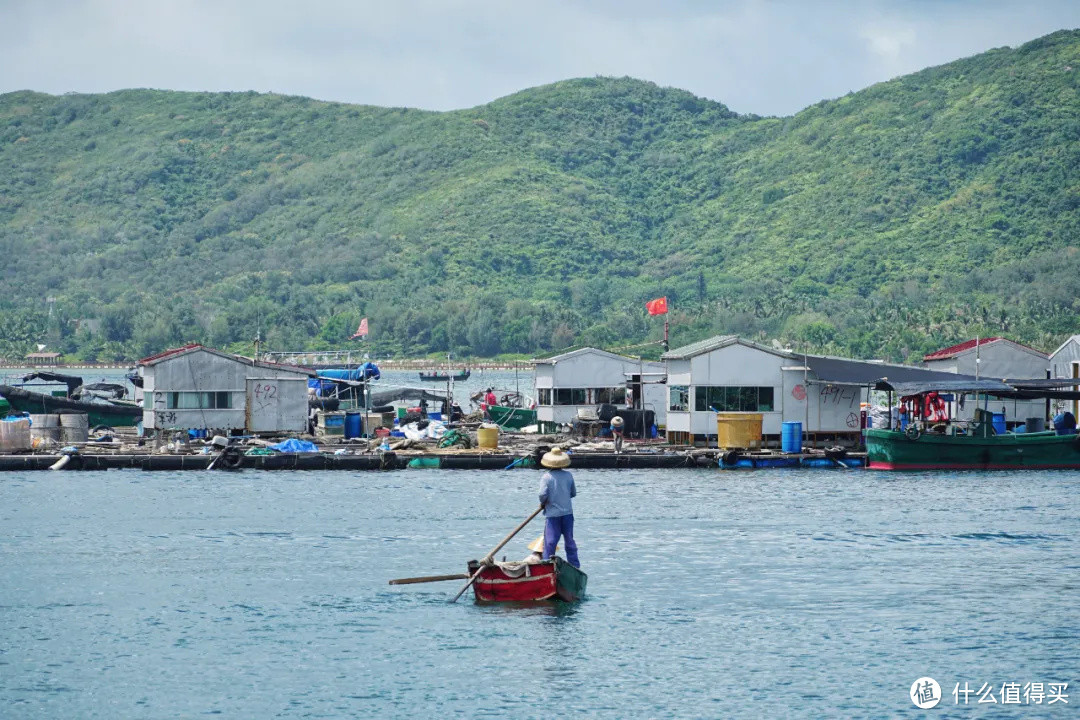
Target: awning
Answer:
[[957, 384], [839, 371]]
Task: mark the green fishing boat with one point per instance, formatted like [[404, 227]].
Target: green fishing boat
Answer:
[[979, 449], [511, 418], [100, 412]]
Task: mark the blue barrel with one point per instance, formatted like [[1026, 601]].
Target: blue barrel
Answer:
[[791, 437], [999, 423], [354, 424]]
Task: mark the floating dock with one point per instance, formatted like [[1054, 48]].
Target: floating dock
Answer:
[[88, 460]]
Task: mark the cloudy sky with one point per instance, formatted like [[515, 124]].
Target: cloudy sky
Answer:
[[770, 57]]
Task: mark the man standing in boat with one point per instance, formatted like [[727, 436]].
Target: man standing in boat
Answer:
[[556, 490]]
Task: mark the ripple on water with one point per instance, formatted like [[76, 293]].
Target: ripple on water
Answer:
[[794, 594]]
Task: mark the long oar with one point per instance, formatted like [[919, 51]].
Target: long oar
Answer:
[[487, 558], [430, 578]]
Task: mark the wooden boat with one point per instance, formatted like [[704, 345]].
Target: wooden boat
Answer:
[[445, 377], [554, 579], [977, 447], [111, 413]]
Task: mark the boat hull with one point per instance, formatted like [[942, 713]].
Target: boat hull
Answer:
[[98, 414], [436, 377], [555, 579], [892, 450], [512, 418]]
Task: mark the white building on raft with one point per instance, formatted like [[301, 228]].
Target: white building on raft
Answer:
[[730, 375], [582, 379], [198, 387]]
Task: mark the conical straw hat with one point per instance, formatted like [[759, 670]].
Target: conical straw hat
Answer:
[[555, 458], [537, 545]]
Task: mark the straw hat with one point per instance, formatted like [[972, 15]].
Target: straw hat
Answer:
[[616, 421], [537, 545], [555, 458]]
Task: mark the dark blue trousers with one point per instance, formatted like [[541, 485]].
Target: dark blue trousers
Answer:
[[553, 529]]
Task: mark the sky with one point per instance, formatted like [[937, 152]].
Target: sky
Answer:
[[769, 57]]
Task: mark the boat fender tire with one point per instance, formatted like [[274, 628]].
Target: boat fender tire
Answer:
[[913, 433], [730, 457], [388, 461], [835, 453], [103, 429], [231, 457], [382, 409]]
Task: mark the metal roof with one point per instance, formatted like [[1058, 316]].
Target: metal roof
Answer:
[[951, 352], [551, 360], [177, 352], [719, 341], [1072, 338]]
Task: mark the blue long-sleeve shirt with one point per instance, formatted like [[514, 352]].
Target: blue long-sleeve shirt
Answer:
[[556, 489]]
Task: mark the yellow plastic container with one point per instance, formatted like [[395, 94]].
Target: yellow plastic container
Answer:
[[739, 430], [487, 436]]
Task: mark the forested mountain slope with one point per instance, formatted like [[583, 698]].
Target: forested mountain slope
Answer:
[[907, 216]]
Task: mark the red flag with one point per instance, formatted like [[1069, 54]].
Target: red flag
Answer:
[[657, 306], [361, 331]]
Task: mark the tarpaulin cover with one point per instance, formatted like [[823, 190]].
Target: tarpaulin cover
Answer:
[[292, 445], [364, 372]]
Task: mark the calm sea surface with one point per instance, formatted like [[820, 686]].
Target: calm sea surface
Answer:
[[711, 594]]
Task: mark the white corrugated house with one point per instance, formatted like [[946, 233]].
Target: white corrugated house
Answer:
[[584, 378], [199, 387], [1065, 363], [731, 375]]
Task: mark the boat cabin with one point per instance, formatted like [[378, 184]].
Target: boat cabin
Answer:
[[997, 358]]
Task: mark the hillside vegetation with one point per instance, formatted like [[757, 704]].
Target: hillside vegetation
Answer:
[[908, 216]]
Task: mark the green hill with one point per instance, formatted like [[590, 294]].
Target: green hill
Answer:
[[908, 216]]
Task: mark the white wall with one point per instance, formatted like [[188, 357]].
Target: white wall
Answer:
[[1001, 360]]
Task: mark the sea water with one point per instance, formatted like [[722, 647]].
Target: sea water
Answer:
[[711, 594]]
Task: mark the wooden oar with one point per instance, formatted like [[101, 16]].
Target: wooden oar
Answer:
[[487, 558], [430, 578]]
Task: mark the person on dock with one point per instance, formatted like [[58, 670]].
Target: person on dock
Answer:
[[489, 401], [617, 432], [556, 491]]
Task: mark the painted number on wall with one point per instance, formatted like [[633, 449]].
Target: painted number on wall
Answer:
[[843, 396], [265, 392]]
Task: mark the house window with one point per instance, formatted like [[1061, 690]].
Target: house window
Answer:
[[609, 396], [679, 398], [543, 396], [570, 396], [198, 400], [733, 398]]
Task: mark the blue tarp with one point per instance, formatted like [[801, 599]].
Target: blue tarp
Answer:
[[366, 371], [292, 445]]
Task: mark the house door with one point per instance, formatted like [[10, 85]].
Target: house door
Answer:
[[276, 405]]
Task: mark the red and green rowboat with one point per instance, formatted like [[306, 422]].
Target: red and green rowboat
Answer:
[[554, 579]]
